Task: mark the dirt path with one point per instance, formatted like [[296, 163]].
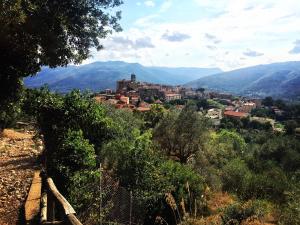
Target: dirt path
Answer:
[[19, 154]]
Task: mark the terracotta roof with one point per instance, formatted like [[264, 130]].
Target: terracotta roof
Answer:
[[142, 109], [143, 105], [171, 95], [235, 114]]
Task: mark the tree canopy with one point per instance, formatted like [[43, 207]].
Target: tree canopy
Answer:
[[36, 33], [181, 134]]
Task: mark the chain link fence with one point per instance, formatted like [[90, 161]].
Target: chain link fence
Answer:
[[120, 205], [111, 205]]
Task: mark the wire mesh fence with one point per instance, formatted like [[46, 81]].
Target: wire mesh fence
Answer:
[[121, 205], [111, 204], [124, 209]]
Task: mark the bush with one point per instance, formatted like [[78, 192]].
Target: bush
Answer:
[[235, 213], [282, 151], [235, 176], [9, 114], [267, 185], [10, 101], [291, 210], [74, 154], [84, 195], [37, 99], [75, 111]]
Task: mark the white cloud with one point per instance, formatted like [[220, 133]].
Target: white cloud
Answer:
[[211, 47], [212, 38], [296, 49], [126, 43], [250, 27], [252, 53], [149, 3], [175, 36]]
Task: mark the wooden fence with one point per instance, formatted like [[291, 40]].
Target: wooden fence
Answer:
[[46, 205]]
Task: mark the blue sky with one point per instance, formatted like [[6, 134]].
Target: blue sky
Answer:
[[228, 34]]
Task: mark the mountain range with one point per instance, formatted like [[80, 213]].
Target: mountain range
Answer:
[[280, 80], [102, 75]]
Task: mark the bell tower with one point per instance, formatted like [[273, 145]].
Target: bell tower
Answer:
[[133, 78]]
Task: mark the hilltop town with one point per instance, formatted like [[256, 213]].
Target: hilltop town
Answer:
[[140, 96]]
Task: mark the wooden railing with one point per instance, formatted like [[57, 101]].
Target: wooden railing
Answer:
[[55, 209], [46, 205]]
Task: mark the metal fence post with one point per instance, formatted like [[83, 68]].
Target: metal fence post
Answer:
[[100, 192], [130, 209]]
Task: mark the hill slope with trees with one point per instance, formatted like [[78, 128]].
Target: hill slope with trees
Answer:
[[172, 160], [280, 80]]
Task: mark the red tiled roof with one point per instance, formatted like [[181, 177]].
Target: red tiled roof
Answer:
[[119, 106], [142, 109], [235, 114]]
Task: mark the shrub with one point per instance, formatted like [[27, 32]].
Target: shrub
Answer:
[[267, 185], [237, 212], [74, 154], [37, 99], [9, 114], [291, 210], [10, 101], [84, 195], [235, 176]]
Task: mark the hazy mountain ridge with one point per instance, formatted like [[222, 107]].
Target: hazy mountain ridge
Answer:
[[101, 75], [277, 79]]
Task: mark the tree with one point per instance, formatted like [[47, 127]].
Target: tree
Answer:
[[234, 176], [202, 103], [224, 146], [268, 101], [38, 33], [201, 90], [290, 126], [152, 117], [182, 135], [280, 104]]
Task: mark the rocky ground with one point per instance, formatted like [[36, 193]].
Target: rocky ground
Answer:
[[19, 157]]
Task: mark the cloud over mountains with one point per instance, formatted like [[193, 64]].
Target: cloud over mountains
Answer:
[[175, 36], [252, 53], [296, 49]]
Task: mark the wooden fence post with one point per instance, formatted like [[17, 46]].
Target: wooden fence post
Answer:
[[44, 208], [50, 207]]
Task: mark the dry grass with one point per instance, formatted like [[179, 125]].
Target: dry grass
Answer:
[[252, 221], [219, 200], [15, 135]]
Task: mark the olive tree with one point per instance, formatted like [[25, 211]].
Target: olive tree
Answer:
[[181, 135], [36, 33]]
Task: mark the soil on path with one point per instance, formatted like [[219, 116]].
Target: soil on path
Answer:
[[19, 157]]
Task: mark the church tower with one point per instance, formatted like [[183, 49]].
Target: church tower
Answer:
[[133, 78]]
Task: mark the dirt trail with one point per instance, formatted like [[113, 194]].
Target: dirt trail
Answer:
[[19, 154]]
